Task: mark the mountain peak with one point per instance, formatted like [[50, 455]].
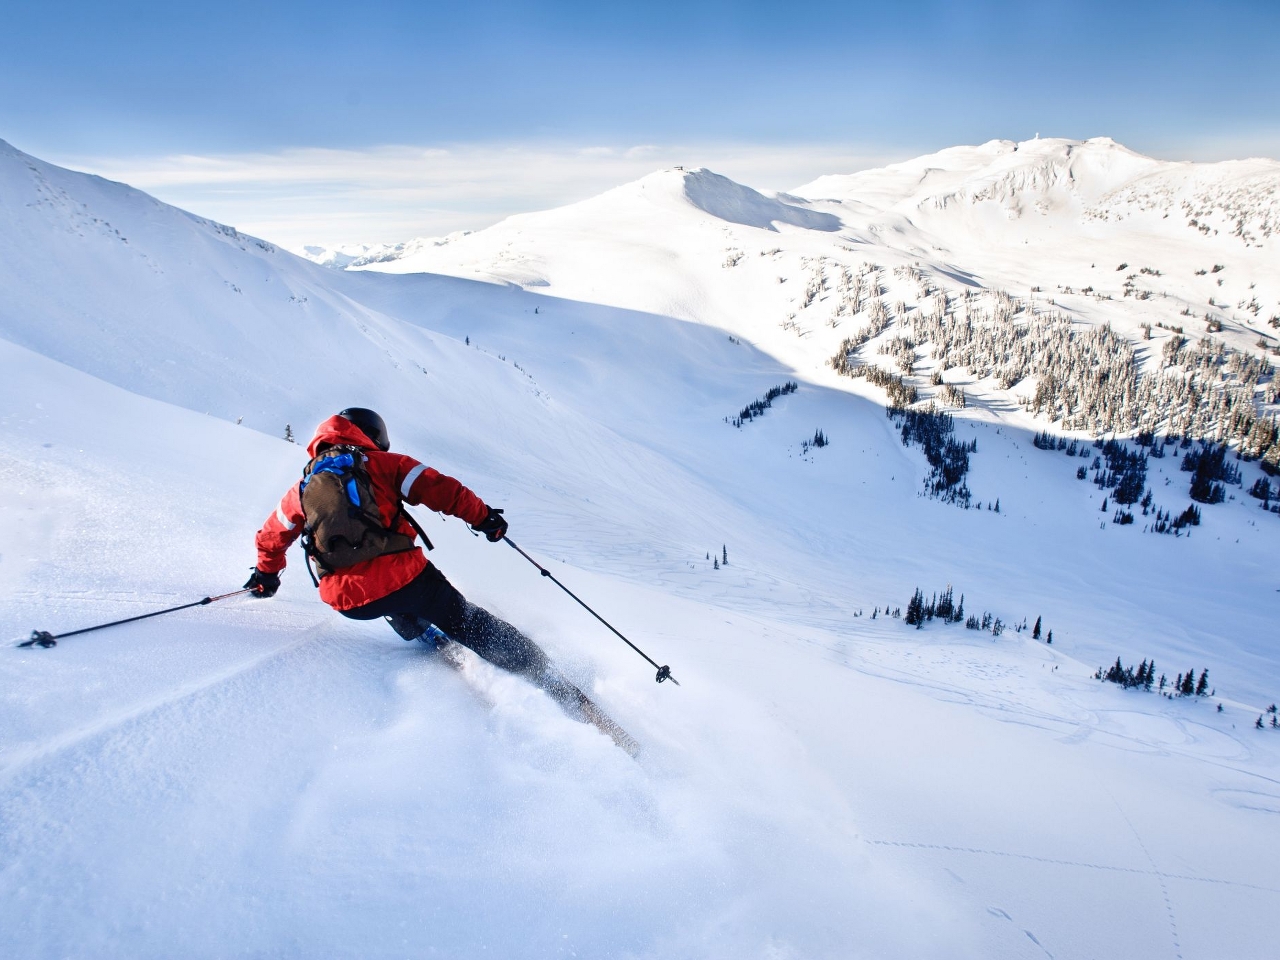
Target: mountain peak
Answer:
[[726, 199], [1085, 170]]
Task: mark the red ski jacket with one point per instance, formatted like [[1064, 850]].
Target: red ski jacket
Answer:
[[394, 477]]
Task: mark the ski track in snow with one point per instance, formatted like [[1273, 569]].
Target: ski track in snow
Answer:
[[1153, 872], [204, 686]]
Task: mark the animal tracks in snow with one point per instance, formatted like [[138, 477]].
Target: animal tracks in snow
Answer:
[[1081, 864]]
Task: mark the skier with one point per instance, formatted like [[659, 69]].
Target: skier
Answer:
[[362, 544]]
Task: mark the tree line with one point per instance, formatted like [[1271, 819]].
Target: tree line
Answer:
[[756, 408], [1087, 377], [1144, 677]]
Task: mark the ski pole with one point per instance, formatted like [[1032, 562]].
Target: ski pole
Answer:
[[664, 672], [42, 638]]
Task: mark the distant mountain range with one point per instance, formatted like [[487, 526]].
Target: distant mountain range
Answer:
[[1084, 233]]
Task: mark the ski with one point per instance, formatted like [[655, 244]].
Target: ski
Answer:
[[573, 701], [606, 724]]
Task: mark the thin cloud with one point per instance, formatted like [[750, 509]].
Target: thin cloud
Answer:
[[394, 193], [1259, 143]]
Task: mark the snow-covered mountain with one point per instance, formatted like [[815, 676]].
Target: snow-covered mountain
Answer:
[[364, 254], [267, 778], [1069, 183], [1088, 229]]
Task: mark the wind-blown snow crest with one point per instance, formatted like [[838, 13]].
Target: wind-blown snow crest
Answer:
[[723, 198]]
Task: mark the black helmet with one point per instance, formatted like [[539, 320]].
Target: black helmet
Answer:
[[370, 423]]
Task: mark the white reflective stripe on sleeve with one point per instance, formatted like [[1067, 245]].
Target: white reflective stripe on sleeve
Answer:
[[284, 521], [414, 474]]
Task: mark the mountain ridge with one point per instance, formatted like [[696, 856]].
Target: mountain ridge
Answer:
[[1070, 229]]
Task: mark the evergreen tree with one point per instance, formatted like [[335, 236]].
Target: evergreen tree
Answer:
[[1163, 681], [1049, 637], [715, 563], [1258, 724], [1203, 686], [1177, 684], [915, 609], [1208, 465], [288, 433], [1188, 684], [944, 608], [724, 560], [1151, 675], [1035, 631]]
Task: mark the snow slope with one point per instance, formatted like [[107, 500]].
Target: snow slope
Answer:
[[268, 778]]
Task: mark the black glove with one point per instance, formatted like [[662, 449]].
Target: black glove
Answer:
[[492, 526], [263, 584]]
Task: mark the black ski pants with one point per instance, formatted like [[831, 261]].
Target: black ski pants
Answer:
[[430, 598]]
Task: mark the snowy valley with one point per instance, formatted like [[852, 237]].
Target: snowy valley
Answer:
[[694, 401]]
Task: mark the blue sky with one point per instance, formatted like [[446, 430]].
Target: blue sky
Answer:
[[126, 87]]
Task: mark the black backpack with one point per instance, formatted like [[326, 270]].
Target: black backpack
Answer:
[[343, 521]]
